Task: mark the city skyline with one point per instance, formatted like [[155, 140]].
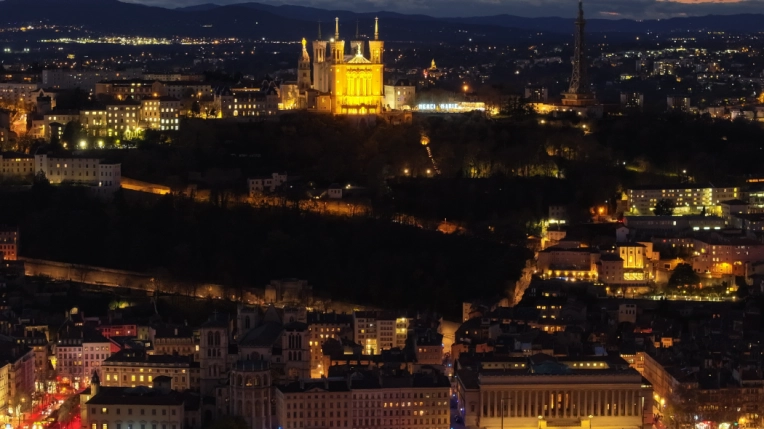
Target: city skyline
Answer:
[[606, 9]]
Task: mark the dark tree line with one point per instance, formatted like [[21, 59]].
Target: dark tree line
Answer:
[[359, 260]]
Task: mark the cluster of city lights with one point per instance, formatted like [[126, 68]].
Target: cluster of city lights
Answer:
[[115, 40]]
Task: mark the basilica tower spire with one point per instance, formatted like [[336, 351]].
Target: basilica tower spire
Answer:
[[376, 46], [303, 68], [320, 64], [337, 45]]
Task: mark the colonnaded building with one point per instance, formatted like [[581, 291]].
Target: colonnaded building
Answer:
[[545, 392]]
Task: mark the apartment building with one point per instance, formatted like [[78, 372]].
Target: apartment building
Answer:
[[428, 348], [688, 198], [16, 164], [4, 396], [95, 121], [55, 122], [18, 94], [86, 171], [131, 368], [719, 255], [80, 351], [376, 331], [135, 89], [187, 89], [9, 243], [122, 117], [400, 96], [37, 340], [365, 400], [178, 340], [84, 79], [134, 408], [323, 327], [160, 113], [246, 102], [19, 373]]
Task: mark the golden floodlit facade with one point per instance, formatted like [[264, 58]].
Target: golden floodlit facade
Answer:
[[348, 84]]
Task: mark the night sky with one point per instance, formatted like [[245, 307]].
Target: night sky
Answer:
[[636, 9]]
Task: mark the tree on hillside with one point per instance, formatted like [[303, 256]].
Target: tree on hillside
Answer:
[[518, 108], [684, 275], [664, 207]]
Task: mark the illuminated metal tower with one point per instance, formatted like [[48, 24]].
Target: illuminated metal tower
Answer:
[[579, 93]]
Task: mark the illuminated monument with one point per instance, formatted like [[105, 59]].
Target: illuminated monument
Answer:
[[579, 94], [347, 84]]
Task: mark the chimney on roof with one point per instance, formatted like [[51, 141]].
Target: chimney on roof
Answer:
[[302, 384], [176, 332]]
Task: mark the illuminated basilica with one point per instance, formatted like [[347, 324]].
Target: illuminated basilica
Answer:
[[343, 84]]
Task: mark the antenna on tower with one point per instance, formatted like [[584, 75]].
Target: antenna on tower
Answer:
[[319, 29], [356, 29], [376, 28], [336, 29]]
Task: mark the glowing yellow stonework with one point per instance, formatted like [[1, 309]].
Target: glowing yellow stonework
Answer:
[[355, 83]]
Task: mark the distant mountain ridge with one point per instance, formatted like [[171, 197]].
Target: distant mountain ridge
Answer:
[[288, 22], [738, 23], [253, 21]]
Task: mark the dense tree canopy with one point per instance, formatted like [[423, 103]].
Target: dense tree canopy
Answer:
[[360, 260], [684, 275], [664, 207]]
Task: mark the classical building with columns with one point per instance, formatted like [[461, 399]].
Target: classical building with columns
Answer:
[[543, 391]]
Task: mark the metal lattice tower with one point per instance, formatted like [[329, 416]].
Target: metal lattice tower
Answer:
[[579, 84]]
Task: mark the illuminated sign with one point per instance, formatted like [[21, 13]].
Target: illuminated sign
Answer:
[[451, 107]]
